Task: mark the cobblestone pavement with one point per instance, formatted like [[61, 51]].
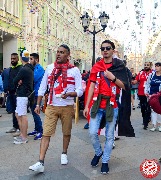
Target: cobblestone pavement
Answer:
[[124, 164]]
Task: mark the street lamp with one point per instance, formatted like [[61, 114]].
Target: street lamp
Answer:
[[86, 22]]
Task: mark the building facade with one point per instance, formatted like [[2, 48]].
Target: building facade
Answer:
[[41, 26], [10, 28]]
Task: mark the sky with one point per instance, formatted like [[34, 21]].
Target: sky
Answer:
[[132, 22]]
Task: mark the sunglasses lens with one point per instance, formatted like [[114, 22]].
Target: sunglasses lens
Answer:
[[107, 48], [102, 48]]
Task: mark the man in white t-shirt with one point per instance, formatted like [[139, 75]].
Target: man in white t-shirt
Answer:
[[64, 83]]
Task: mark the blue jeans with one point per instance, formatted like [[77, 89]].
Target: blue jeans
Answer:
[[37, 119], [109, 134]]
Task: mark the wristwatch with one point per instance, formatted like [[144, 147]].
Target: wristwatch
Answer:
[[114, 80]]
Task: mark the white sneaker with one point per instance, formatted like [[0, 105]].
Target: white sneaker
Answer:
[[20, 141], [113, 146], [159, 128], [153, 129], [38, 167], [64, 160], [17, 138]]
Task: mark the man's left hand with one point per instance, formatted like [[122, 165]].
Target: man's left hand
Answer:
[[20, 82], [64, 96], [109, 75]]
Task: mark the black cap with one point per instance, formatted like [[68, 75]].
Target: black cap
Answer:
[[158, 64]]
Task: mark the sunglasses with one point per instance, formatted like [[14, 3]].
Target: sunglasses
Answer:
[[107, 48]]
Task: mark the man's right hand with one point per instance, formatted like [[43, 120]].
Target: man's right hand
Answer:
[[85, 111], [133, 82], [37, 110]]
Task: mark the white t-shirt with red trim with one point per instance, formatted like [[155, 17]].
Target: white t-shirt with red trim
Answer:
[[74, 84]]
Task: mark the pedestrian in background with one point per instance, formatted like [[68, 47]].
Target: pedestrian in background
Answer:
[[141, 79], [38, 75], [11, 91], [24, 83], [5, 79], [134, 87], [153, 86], [64, 82]]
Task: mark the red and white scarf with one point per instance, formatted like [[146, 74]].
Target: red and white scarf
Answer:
[[57, 69]]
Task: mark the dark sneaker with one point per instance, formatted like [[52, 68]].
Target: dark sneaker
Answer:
[[116, 138], [12, 130], [145, 127], [104, 168], [86, 126], [38, 136], [95, 160], [33, 133], [160, 159]]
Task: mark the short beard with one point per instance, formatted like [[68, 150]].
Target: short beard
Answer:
[[14, 63], [147, 69]]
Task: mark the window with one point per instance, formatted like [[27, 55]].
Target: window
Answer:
[[39, 20], [16, 8], [2, 4], [9, 6]]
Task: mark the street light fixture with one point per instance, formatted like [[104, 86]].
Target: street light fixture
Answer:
[[86, 22]]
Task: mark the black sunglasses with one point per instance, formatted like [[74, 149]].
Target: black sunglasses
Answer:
[[107, 48]]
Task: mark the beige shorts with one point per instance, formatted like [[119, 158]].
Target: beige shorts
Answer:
[[52, 114]]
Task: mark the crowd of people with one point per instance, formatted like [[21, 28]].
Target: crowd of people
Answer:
[[111, 89], [21, 81]]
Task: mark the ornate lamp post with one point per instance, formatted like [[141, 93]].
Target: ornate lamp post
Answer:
[[86, 22]]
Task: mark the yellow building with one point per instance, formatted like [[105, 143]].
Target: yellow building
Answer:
[[41, 26], [10, 29]]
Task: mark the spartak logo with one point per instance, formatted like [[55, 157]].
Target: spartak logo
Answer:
[[150, 168]]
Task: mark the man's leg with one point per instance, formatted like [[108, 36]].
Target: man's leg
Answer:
[[66, 141], [94, 125], [43, 147], [24, 127], [66, 116], [51, 118], [109, 133], [19, 120], [142, 107], [15, 121], [146, 112], [37, 120]]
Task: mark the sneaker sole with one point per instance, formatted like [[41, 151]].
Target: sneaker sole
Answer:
[[11, 132], [36, 171], [38, 139], [17, 143], [104, 173], [94, 166], [64, 163]]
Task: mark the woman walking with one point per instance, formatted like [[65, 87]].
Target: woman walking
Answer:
[[152, 86]]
